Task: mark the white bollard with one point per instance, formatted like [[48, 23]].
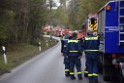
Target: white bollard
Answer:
[[39, 46], [4, 54], [5, 58]]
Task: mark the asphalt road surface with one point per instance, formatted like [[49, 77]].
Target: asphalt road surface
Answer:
[[45, 68]]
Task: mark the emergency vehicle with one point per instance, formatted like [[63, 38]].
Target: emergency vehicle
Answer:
[[92, 22], [111, 33]]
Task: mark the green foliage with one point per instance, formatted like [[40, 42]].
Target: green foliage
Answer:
[[61, 15], [21, 20], [3, 36], [79, 9]]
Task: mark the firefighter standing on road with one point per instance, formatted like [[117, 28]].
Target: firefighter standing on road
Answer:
[[74, 51], [66, 57], [91, 47]]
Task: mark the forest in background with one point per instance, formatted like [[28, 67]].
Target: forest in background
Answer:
[[21, 21]]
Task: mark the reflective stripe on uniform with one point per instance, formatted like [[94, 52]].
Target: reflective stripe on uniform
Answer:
[[94, 74], [90, 75], [71, 41], [79, 72], [71, 73], [85, 71], [91, 38], [66, 70], [91, 50], [73, 51]]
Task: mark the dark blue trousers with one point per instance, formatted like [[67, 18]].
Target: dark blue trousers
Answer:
[[66, 63], [75, 61], [92, 63]]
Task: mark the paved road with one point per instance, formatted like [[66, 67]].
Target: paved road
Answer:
[[45, 68]]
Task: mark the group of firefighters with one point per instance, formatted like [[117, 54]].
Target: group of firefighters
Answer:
[[72, 49]]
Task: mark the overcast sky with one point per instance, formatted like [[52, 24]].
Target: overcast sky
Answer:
[[57, 3]]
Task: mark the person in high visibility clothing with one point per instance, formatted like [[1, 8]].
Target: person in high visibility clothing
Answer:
[[91, 47], [74, 51], [66, 56]]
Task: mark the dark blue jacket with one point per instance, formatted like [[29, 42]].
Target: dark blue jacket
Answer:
[[91, 43], [65, 42], [74, 47]]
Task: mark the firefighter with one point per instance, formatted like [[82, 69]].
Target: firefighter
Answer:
[[74, 51], [91, 47], [66, 57]]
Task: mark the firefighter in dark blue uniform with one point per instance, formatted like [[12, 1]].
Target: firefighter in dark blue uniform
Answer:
[[66, 57], [91, 46], [74, 50]]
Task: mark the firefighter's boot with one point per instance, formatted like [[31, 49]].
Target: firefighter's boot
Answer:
[[80, 77], [72, 77], [67, 74], [85, 74]]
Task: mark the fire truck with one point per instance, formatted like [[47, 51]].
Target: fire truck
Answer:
[[92, 22], [111, 33]]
